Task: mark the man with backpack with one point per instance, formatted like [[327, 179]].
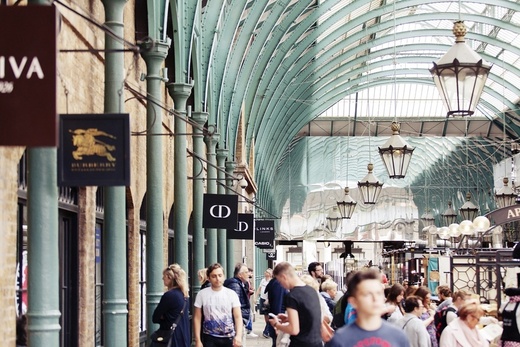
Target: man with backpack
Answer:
[[447, 314]]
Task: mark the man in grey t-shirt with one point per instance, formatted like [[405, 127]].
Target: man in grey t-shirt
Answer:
[[369, 329]]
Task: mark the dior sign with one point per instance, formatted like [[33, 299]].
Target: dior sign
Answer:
[[243, 229], [220, 211], [28, 115]]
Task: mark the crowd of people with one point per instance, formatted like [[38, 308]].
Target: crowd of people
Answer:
[[309, 311]]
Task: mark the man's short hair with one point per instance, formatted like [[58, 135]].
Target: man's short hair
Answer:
[[411, 302], [360, 276], [282, 268], [444, 290], [213, 267], [238, 267], [460, 294], [312, 266]]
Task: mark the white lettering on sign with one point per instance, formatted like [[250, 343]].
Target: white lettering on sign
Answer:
[[6, 87], [18, 67], [513, 213]]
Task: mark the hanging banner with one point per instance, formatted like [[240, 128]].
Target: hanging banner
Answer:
[[244, 228], [270, 255], [264, 234], [220, 211], [28, 115], [94, 150]]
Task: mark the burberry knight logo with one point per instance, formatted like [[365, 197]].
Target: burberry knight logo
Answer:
[[87, 144]]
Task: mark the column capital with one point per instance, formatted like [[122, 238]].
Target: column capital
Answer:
[[222, 153], [200, 117], [180, 93], [230, 166], [211, 141], [154, 53]]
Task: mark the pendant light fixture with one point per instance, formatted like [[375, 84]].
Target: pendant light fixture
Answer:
[[469, 210], [396, 153], [449, 216], [348, 205], [460, 75], [369, 187]]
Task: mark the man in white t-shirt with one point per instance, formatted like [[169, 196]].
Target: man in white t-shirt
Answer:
[[222, 325]]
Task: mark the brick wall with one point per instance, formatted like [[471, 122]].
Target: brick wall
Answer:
[[9, 157]]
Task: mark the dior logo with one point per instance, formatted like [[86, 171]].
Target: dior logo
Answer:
[[220, 211], [242, 226]]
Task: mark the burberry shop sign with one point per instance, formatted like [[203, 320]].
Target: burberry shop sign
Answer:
[[28, 115], [94, 150], [220, 211]]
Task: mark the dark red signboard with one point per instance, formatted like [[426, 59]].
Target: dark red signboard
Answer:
[[28, 114]]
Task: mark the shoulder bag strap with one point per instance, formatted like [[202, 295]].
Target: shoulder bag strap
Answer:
[[407, 323], [178, 319]]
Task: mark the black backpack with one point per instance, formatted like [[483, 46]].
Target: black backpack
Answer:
[[439, 320]]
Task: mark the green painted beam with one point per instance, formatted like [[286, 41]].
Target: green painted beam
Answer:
[[183, 15]]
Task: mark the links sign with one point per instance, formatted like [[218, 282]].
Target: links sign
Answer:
[[28, 115], [220, 211]]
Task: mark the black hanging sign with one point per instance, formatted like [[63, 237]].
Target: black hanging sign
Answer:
[[94, 150], [264, 234], [220, 211], [244, 228], [270, 255]]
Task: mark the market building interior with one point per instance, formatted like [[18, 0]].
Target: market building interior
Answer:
[[371, 133]]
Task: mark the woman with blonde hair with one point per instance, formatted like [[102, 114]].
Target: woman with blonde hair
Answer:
[[172, 311], [463, 332], [203, 278]]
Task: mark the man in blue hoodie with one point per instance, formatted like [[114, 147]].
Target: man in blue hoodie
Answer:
[[238, 283]]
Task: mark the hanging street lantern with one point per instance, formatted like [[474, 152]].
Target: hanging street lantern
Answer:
[[347, 206], [460, 75], [428, 219], [468, 211], [396, 154], [505, 196], [449, 216], [370, 187], [334, 219]]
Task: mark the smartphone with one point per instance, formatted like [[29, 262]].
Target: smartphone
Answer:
[[272, 315]]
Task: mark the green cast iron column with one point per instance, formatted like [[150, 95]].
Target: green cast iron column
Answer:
[[180, 93], [42, 244], [198, 194], [154, 58], [115, 310], [230, 168], [221, 188], [211, 140]]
